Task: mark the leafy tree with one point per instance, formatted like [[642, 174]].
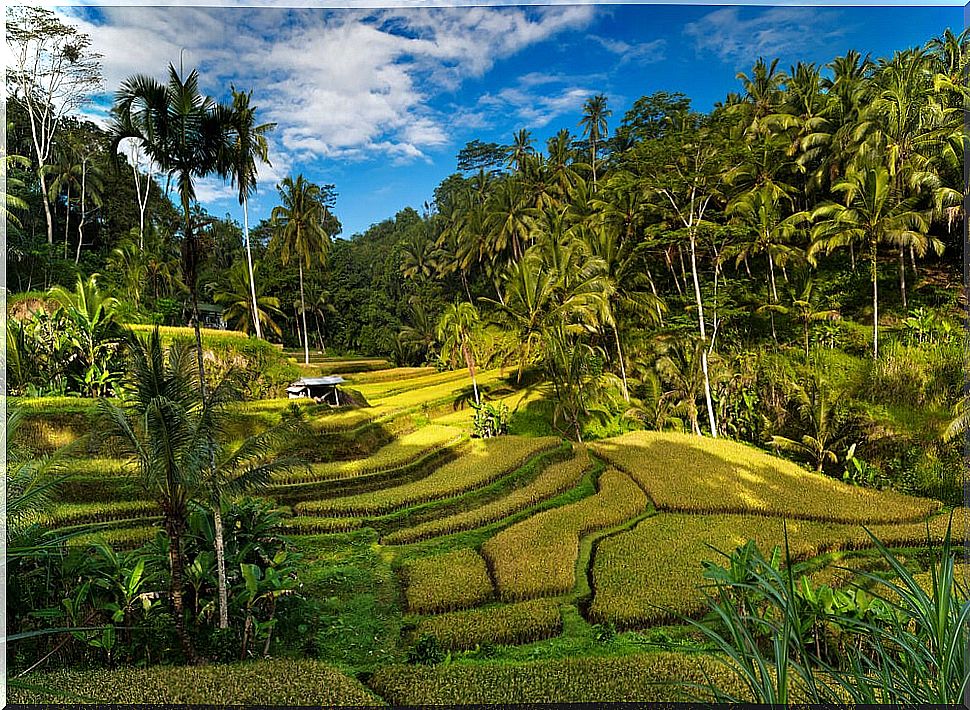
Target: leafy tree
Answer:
[[53, 72], [594, 123], [825, 422], [236, 298]]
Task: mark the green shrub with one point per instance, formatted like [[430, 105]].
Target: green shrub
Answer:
[[275, 682], [519, 623], [454, 580]]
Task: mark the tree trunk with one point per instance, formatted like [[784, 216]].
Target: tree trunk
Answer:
[[912, 260], [470, 362], [67, 218], [703, 330], [619, 353], [47, 206], [852, 255], [249, 263], [774, 296], [673, 273], [175, 591], [875, 305], [80, 224], [653, 289], [306, 339], [221, 566]]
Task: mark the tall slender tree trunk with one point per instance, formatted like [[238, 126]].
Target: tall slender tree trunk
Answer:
[[852, 255], [67, 219], [703, 330], [774, 295], [306, 339], [47, 206], [653, 289], [912, 260], [875, 305], [221, 565], [470, 362], [80, 224], [673, 272], [619, 354], [249, 263]]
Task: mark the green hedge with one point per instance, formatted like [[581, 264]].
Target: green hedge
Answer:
[[276, 682], [642, 678], [524, 622]]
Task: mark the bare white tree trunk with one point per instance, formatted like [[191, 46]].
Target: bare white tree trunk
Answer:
[[249, 262]]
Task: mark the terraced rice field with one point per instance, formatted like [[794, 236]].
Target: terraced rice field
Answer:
[[518, 541]]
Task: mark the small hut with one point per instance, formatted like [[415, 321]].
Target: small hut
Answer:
[[321, 389]]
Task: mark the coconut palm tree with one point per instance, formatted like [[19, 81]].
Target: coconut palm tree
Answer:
[[825, 421], [248, 145], [804, 309], [187, 135], [300, 233], [872, 216], [174, 438], [455, 329], [594, 123], [236, 299]]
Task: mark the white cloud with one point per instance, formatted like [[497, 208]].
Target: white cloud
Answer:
[[639, 52], [350, 84], [769, 33], [536, 110]]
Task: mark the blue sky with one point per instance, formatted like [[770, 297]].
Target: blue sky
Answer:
[[379, 101]]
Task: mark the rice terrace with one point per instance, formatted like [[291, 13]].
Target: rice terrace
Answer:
[[663, 400]]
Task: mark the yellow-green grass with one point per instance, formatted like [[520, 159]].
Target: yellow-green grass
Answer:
[[283, 682], [65, 514], [651, 574], [400, 452], [391, 374], [417, 396], [454, 580], [538, 556], [53, 405], [641, 678], [481, 463], [463, 417], [299, 525], [392, 386], [549, 483], [522, 622], [171, 332], [127, 538], [688, 473]]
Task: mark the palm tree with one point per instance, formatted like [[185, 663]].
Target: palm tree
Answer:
[[186, 134], [300, 233], [825, 421], [249, 144], [65, 174], [595, 115], [8, 199], [803, 309], [170, 434], [872, 215], [521, 149], [455, 329], [508, 219], [236, 298], [680, 370]]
